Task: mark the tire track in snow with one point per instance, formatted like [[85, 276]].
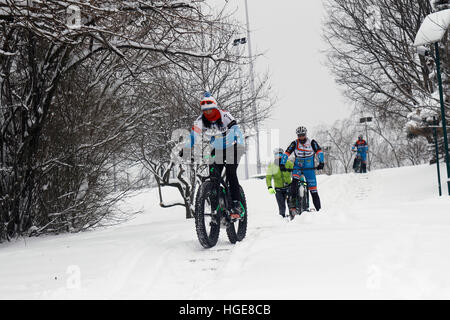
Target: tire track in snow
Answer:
[[134, 272], [233, 260]]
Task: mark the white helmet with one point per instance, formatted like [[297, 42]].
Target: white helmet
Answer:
[[301, 131]]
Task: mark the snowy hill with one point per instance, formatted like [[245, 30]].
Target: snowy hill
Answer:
[[381, 235]]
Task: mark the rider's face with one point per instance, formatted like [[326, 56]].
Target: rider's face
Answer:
[[208, 112], [302, 137]]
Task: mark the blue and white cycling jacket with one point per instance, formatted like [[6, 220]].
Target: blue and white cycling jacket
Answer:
[[221, 134]]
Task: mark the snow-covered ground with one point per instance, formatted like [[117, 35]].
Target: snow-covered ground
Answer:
[[385, 234]]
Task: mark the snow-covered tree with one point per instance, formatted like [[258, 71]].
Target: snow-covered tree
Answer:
[[372, 57], [70, 87]]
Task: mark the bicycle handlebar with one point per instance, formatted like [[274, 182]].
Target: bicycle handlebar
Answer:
[[290, 170]]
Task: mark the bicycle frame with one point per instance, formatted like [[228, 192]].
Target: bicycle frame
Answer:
[[302, 191], [302, 184], [220, 182], [215, 192]]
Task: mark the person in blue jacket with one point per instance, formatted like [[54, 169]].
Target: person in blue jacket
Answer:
[[305, 151], [221, 131], [361, 148]]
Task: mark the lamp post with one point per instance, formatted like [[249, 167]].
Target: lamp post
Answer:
[[431, 31], [444, 122], [434, 125], [252, 87], [252, 84], [236, 43]]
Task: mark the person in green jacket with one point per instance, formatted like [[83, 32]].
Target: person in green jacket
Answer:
[[282, 180]]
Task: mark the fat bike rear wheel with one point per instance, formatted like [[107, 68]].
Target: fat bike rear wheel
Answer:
[[235, 235]]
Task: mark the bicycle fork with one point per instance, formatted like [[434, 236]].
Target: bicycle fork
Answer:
[[222, 207]]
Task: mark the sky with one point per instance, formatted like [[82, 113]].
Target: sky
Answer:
[[288, 34]]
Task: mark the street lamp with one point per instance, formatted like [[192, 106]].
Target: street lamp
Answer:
[[252, 87], [431, 31], [236, 43], [252, 83], [239, 41]]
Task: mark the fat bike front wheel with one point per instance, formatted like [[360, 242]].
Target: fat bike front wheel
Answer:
[[207, 215]]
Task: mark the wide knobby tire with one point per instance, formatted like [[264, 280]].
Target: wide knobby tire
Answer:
[[305, 200], [233, 235], [302, 202], [207, 234], [357, 165]]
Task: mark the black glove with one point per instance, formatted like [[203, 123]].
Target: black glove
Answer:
[[282, 167], [320, 166], [181, 153]]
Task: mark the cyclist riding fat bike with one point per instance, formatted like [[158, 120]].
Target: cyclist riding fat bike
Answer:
[[305, 150], [227, 142], [361, 148]]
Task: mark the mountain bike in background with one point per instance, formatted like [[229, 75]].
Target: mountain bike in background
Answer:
[[359, 166], [302, 200], [357, 163]]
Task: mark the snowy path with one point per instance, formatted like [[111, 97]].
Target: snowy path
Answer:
[[381, 235]]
